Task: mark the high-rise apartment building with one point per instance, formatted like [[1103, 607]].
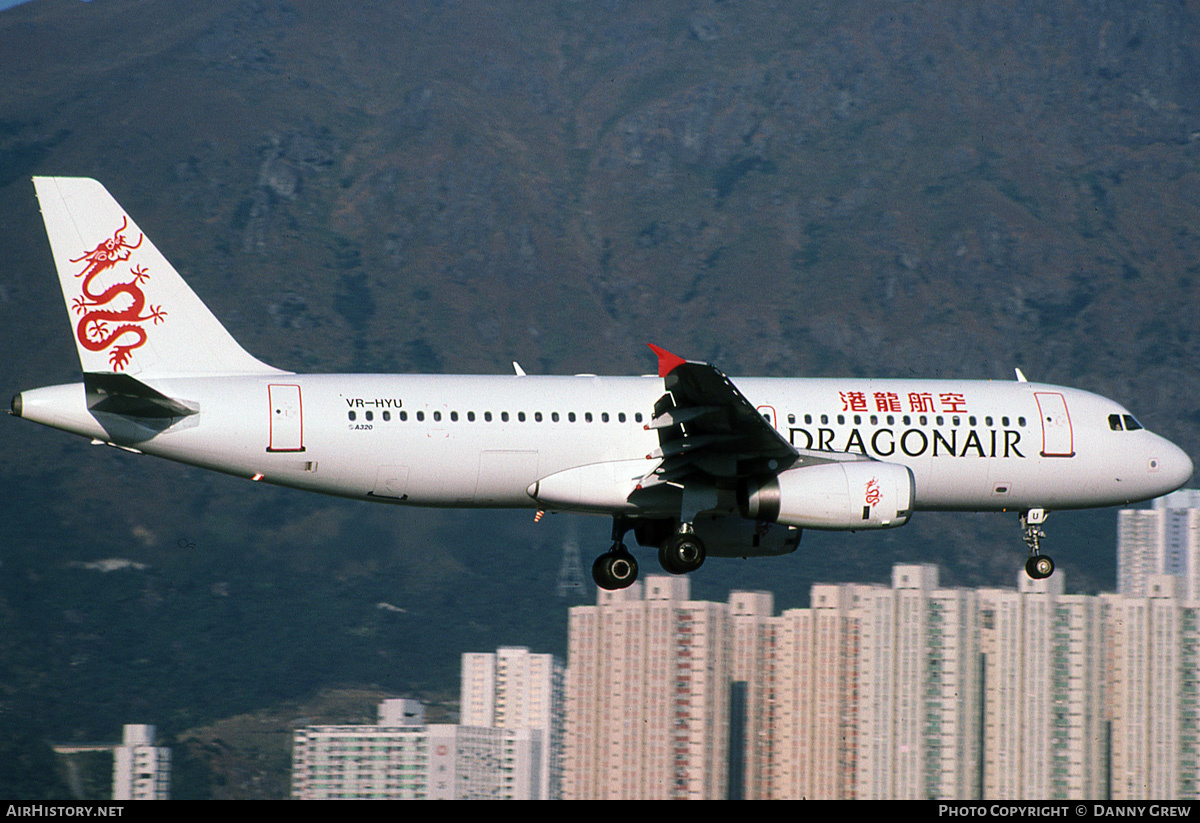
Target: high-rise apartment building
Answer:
[[401, 758], [916, 681], [876, 692], [512, 688], [648, 688], [141, 770], [748, 775], [1164, 539], [1153, 677], [814, 681], [1043, 712]]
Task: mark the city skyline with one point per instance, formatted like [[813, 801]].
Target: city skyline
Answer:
[[901, 690]]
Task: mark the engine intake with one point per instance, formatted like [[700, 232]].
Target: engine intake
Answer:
[[836, 496]]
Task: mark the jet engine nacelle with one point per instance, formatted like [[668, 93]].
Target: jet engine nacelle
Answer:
[[860, 495]]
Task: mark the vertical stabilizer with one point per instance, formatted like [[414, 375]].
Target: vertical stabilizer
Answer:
[[130, 310]]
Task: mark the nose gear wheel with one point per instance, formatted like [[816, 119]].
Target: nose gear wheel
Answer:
[[1039, 566]]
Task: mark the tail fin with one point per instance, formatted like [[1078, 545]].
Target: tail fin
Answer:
[[131, 310]]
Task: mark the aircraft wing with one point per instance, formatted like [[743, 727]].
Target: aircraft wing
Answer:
[[707, 426]]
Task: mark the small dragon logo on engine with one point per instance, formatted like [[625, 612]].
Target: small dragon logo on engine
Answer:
[[107, 321], [873, 494]]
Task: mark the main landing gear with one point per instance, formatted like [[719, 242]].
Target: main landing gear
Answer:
[[616, 569], [1039, 566], [679, 553], [683, 552]]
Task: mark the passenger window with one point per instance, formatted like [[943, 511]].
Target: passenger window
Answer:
[[554, 416], [988, 420], [603, 417], [570, 417], [1020, 421], [1131, 425], [437, 415], [420, 416], [403, 416], [1004, 422], [791, 419], [387, 415], [537, 417], [487, 417], [874, 420], [370, 416], [587, 417], [824, 420], [638, 417], [454, 416], [351, 415], [841, 419], [621, 417], [470, 417], [808, 419]]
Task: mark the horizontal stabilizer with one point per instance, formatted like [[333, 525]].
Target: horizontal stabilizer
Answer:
[[127, 396]]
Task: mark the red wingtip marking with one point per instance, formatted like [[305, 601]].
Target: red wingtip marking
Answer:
[[666, 361]]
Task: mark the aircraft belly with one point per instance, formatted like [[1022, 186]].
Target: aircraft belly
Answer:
[[952, 483], [503, 475]]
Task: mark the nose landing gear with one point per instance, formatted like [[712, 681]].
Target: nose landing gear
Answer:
[[1039, 566]]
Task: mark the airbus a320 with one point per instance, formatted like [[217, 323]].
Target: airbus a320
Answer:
[[694, 463]]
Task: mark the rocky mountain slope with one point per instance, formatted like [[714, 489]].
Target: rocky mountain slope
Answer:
[[815, 189]]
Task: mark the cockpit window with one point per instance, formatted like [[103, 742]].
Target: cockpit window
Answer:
[[1123, 422]]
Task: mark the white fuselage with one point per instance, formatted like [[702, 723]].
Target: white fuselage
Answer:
[[692, 462], [483, 441]]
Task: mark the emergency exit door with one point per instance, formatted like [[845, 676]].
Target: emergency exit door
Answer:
[[1057, 438], [287, 421]]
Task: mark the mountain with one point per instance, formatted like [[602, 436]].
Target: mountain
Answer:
[[883, 188]]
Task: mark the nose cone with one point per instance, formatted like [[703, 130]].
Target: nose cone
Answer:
[[1174, 467]]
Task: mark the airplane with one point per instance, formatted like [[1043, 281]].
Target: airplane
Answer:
[[694, 463]]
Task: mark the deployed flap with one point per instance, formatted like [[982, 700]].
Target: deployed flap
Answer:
[[706, 425]]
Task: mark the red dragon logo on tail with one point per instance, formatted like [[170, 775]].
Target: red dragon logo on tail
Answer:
[[99, 328]]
